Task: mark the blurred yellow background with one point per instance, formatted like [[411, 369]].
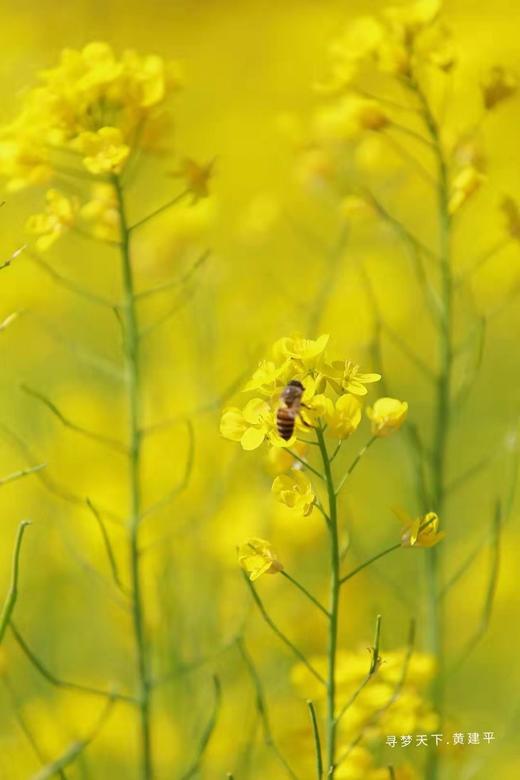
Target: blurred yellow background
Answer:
[[247, 67]]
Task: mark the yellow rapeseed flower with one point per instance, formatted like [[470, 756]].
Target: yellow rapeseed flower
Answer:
[[347, 375], [59, 215], [257, 557], [345, 416], [249, 426], [268, 377], [91, 101], [101, 212], [103, 151], [414, 17], [349, 117], [464, 185], [307, 353], [387, 415], [295, 491], [419, 531]]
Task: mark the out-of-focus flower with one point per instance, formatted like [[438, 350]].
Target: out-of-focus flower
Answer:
[[306, 352], [358, 42], [349, 117], [58, 217], [394, 57], [464, 185], [295, 491], [101, 212], [387, 415], [268, 377], [406, 714], [436, 46], [196, 177], [91, 101], [511, 212], [419, 531], [257, 557], [499, 85], [249, 426], [345, 417], [103, 151], [346, 375], [410, 19]]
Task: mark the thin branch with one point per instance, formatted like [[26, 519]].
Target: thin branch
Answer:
[[412, 134], [207, 733], [51, 485], [178, 282], [108, 546], [484, 258], [305, 592], [24, 727], [316, 737], [398, 226], [391, 773], [489, 599], [287, 642], [58, 682], [415, 359], [305, 464], [72, 752], [160, 210], [371, 560], [98, 362], [107, 441], [469, 473], [153, 326], [354, 463], [392, 699], [70, 284], [183, 482], [261, 706], [375, 662], [21, 473], [213, 405], [12, 594], [12, 257], [405, 155]]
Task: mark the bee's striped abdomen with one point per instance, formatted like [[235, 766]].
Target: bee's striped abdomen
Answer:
[[285, 420]]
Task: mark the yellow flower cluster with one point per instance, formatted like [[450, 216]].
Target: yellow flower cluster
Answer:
[[375, 711], [93, 106], [330, 399], [295, 358]]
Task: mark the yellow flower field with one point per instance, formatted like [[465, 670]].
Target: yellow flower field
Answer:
[[259, 445]]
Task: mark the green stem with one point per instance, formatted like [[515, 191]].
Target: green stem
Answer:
[[305, 592], [12, 594], [335, 585], [442, 413], [354, 464], [369, 561], [316, 736], [132, 358]]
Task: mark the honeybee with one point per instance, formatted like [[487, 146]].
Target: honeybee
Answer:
[[290, 409]]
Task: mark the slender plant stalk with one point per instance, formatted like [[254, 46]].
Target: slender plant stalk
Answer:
[[12, 595], [316, 737], [132, 358], [442, 407], [335, 586]]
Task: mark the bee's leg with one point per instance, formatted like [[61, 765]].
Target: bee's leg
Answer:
[[304, 421]]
